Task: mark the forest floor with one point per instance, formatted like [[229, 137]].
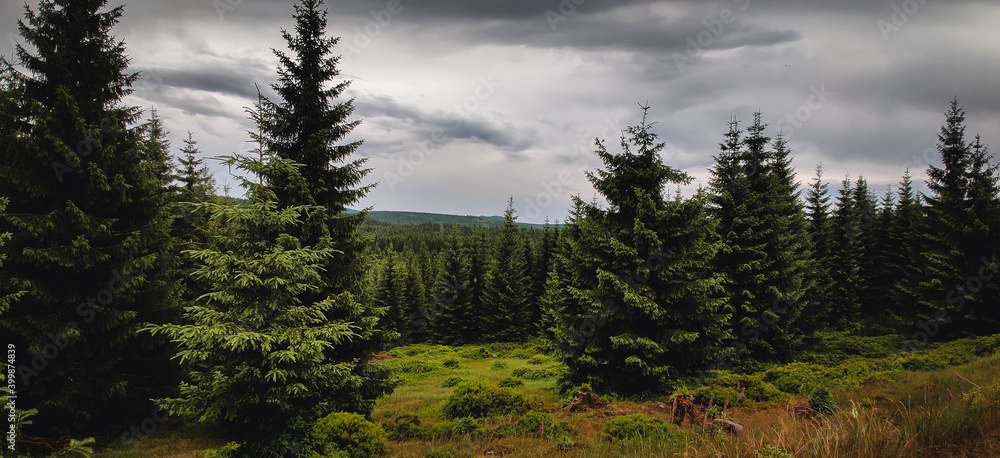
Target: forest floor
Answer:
[[940, 401]]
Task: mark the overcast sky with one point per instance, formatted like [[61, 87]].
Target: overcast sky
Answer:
[[466, 102]]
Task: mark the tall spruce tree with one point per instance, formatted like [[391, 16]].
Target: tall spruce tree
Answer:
[[904, 250], [640, 306], [452, 320], [845, 253], [89, 217], [819, 228], [257, 350], [767, 249], [308, 124], [506, 311], [959, 242], [194, 185]]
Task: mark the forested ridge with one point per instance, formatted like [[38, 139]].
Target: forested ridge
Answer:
[[129, 284]]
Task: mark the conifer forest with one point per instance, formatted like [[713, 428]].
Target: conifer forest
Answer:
[[147, 309]]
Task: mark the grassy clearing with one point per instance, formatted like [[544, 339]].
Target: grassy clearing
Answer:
[[943, 400]]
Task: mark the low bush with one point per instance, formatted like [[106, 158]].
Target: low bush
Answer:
[[637, 425], [473, 399], [451, 381], [540, 424], [535, 374], [729, 386], [510, 382], [406, 427], [450, 363], [565, 444], [349, 434], [821, 402], [499, 366], [538, 360]]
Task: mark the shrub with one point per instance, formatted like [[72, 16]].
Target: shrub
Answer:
[[451, 381], [535, 374], [451, 363], [636, 425], [510, 382], [538, 360], [351, 434], [499, 366], [821, 402], [729, 386], [467, 425], [474, 352], [796, 378], [406, 427], [771, 451], [441, 454], [540, 424], [226, 451], [564, 444], [473, 399]]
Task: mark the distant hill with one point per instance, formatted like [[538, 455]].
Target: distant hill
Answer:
[[398, 217]]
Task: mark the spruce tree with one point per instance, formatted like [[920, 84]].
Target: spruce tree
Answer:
[[415, 302], [905, 255], [947, 254], [506, 311], [845, 253], [306, 127], [640, 306], [260, 353], [819, 228], [452, 320], [766, 257], [90, 218], [194, 185], [390, 295]]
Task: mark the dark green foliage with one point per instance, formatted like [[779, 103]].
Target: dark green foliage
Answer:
[[565, 444], [453, 321], [194, 185], [306, 126], [505, 309], [960, 240], [263, 360], [499, 366], [351, 434], [845, 253], [466, 425], [638, 425], [510, 382], [406, 427], [89, 218], [474, 399], [637, 304], [767, 253], [821, 402], [903, 248], [450, 363], [535, 374], [820, 230], [451, 381]]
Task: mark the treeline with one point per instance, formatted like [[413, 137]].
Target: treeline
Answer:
[[644, 292]]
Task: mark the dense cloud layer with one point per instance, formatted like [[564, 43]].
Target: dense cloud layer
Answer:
[[466, 102]]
